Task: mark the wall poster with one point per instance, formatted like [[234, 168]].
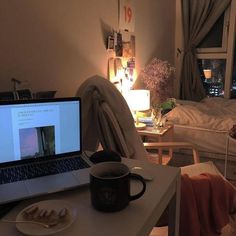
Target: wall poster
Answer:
[[126, 15]]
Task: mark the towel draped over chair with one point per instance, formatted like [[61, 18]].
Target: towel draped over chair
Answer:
[[206, 203], [106, 118]]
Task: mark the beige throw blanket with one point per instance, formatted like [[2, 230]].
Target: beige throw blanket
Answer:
[[106, 118]]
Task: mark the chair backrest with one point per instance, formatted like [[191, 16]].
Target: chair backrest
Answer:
[[7, 96], [16, 95], [106, 118], [45, 94], [24, 94]]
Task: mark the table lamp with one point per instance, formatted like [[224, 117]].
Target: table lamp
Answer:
[[138, 100]]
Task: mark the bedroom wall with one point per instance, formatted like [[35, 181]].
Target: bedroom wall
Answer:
[[57, 44]]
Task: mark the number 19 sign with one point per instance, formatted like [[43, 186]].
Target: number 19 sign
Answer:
[[127, 15]]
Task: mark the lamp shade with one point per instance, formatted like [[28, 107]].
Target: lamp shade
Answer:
[[138, 100], [207, 73]]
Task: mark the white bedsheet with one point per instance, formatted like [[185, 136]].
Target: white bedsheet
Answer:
[[205, 124], [210, 113]]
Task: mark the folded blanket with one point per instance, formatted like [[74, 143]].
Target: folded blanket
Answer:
[[206, 202]]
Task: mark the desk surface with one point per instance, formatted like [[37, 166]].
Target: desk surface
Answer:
[[136, 219]]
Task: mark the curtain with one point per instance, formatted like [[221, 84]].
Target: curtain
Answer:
[[198, 18]]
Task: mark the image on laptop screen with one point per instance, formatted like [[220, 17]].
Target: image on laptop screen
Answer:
[[37, 141], [39, 128]]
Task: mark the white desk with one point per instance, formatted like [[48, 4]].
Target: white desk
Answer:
[[137, 219]]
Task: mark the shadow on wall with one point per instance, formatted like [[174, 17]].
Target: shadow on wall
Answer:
[[39, 49], [107, 30]]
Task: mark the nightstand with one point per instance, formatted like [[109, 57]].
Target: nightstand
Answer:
[[160, 135]]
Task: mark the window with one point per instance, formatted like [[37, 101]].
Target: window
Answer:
[[233, 84], [212, 75], [213, 54], [217, 47], [216, 39]]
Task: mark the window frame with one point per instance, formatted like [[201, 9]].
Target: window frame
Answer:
[[225, 52], [225, 35]]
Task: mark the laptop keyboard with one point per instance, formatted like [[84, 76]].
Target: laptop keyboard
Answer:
[[29, 171]]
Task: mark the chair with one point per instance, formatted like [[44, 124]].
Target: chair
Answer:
[[107, 119], [193, 170], [24, 94], [45, 94], [6, 96]]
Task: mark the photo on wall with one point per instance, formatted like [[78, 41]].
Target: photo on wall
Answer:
[[129, 47], [37, 142]]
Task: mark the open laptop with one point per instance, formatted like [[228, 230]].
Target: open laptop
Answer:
[[41, 148]]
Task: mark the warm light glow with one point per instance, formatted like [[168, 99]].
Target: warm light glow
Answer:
[[122, 73], [207, 73], [138, 100]]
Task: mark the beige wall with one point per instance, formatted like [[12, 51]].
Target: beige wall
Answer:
[[57, 44]]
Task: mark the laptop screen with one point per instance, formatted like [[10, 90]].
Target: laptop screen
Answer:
[[32, 129]]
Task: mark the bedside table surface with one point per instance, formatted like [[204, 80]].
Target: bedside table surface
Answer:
[[160, 132], [158, 136]]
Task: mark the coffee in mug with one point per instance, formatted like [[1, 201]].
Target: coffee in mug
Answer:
[[110, 186]]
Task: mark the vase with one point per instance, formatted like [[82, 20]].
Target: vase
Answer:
[[156, 118]]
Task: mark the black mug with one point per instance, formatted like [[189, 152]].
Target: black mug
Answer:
[[110, 186]]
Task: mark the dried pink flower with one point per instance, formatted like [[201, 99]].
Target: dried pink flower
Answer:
[[156, 76]]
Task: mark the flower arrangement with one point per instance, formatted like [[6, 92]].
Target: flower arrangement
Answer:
[[156, 76]]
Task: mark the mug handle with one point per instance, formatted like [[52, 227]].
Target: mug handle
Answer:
[[141, 179]]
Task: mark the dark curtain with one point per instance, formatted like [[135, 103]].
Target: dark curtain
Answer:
[[198, 18]]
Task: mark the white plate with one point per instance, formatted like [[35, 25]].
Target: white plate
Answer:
[[38, 230]]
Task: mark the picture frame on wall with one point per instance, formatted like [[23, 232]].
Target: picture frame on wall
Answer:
[[118, 45], [110, 43]]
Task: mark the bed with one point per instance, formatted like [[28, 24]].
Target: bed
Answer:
[[206, 124]]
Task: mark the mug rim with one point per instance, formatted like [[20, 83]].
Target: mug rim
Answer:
[[109, 163]]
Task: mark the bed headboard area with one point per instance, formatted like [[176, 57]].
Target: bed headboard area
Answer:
[[205, 124], [210, 113]]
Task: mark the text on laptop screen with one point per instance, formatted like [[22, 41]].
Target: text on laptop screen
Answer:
[[38, 129]]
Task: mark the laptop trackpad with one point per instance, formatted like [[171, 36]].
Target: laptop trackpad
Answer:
[[51, 183], [13, 191]]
